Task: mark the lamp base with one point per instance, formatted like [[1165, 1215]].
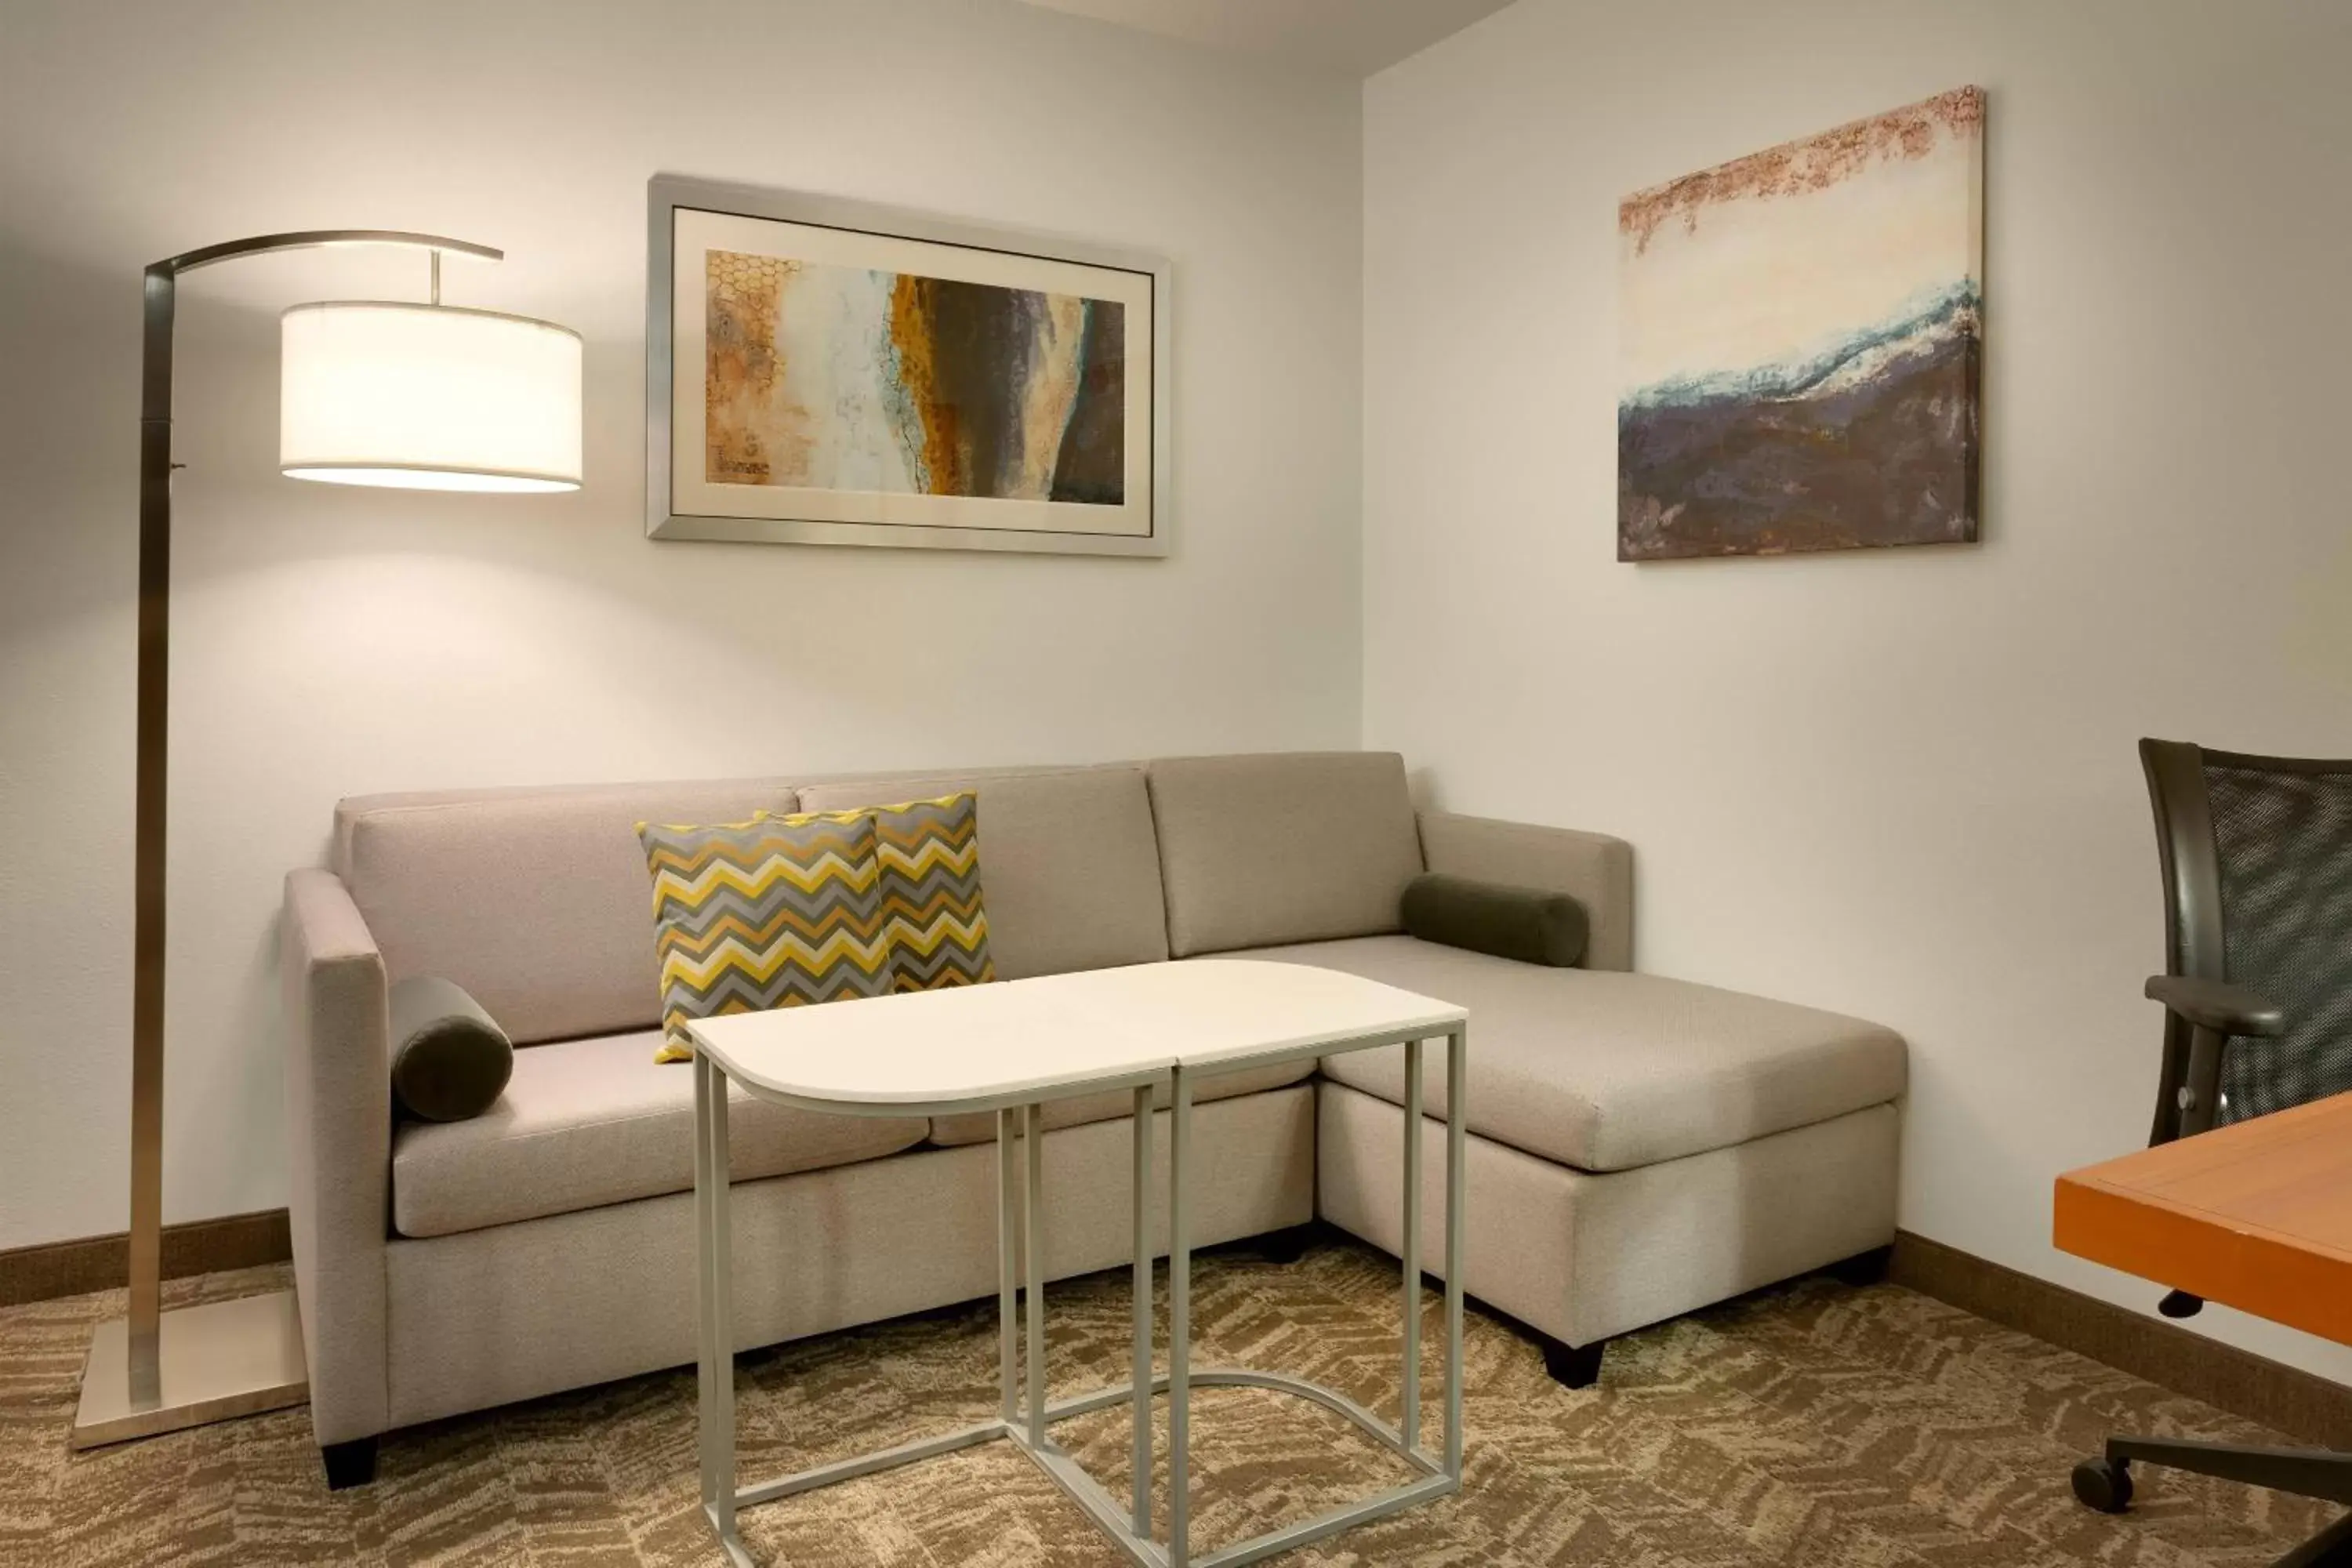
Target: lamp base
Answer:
[[218, 1361]]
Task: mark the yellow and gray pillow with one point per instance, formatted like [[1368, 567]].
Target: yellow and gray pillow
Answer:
[[778, 912], [928, 855]]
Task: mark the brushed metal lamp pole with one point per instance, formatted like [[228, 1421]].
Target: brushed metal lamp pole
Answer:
[[419, 396]]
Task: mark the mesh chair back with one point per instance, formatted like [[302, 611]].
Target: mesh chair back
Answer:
[[2283, 837]]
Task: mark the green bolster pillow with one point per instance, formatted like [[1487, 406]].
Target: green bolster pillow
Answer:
[[450, 1061], [1523, 924]]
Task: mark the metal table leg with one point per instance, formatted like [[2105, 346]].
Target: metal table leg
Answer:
[[1033, 1247], [1457, 1073], [1180, 1318], [705, 1363], [1140, 1364], [1409, 1406], [1008, 1272], [714, 1281]]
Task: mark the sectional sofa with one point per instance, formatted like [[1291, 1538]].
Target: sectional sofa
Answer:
[[1639, 1146]]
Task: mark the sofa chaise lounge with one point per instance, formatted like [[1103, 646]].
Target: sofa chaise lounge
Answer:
[[1639, 1146]]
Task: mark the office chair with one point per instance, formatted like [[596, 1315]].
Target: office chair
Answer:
[[2256, 854]]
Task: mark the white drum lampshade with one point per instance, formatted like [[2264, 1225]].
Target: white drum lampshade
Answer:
[[428, 398]]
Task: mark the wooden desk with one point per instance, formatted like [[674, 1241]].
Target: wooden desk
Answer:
[[2256, 1215]]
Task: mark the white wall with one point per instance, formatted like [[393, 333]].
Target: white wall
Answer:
[[330, 642], [1901, 785]]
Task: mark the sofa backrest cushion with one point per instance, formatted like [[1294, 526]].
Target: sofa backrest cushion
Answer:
[[536, 901], [1067, 861], [1282, 847]]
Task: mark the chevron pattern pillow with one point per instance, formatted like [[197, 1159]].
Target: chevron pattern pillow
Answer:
[[928, 855], [773, 912]]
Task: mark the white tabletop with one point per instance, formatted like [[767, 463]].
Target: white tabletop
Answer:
[[1057, 1035]]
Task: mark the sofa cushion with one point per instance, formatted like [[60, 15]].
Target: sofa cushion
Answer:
[[1069, 867], [980, 1126], [1526, 924], [927, 853], [1593, 869], [450, 1061], [1282, 847], [1609, 1071], [533, 900], [584, 1122], [779, 911]]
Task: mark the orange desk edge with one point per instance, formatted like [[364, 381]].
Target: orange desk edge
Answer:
[[2256, 1215]]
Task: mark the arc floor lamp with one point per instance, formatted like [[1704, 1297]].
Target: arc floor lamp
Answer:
[[421, 396]]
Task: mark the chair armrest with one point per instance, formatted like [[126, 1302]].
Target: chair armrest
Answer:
[[339, 1150], [2217, 1005], [1593, 869]]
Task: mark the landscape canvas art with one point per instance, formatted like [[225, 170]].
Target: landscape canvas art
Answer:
[[828, 372], [1801, 343]]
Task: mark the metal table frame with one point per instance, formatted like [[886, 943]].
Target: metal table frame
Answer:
[[1023, 1413]]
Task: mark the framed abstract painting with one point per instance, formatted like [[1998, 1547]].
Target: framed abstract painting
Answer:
[[826, 372], [1801, 341]]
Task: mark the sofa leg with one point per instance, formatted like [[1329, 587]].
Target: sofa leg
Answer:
[[1572, 1366], [1862, 1267], [1286, 1245], [351, 1464]]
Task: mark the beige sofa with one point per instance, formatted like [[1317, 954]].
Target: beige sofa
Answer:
[[1640, 1146]]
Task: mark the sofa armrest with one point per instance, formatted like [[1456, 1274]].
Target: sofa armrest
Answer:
[[1593, 869], [339, 1150]]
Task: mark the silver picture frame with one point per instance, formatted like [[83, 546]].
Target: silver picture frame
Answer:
[[668, 195]]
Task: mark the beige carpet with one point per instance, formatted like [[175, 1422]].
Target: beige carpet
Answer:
[[1812, 1424]]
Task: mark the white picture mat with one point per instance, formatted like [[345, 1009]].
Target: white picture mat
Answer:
[[695, 232]]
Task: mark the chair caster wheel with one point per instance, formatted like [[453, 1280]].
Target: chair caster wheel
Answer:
[[2104, 1484]]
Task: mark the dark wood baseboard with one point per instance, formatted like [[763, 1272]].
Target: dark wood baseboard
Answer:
[[2282, 1397], [103, 1262], [2279, 1397]]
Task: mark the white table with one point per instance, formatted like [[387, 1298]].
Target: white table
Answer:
[[1013, 1046]]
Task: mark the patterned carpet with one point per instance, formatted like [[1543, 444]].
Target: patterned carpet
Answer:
[[1815, 1423]]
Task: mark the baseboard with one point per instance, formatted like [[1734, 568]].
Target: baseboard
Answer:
[[103, 1262], [2282, 1397]]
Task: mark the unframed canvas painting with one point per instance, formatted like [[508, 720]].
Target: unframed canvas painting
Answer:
[[1801, 343]]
